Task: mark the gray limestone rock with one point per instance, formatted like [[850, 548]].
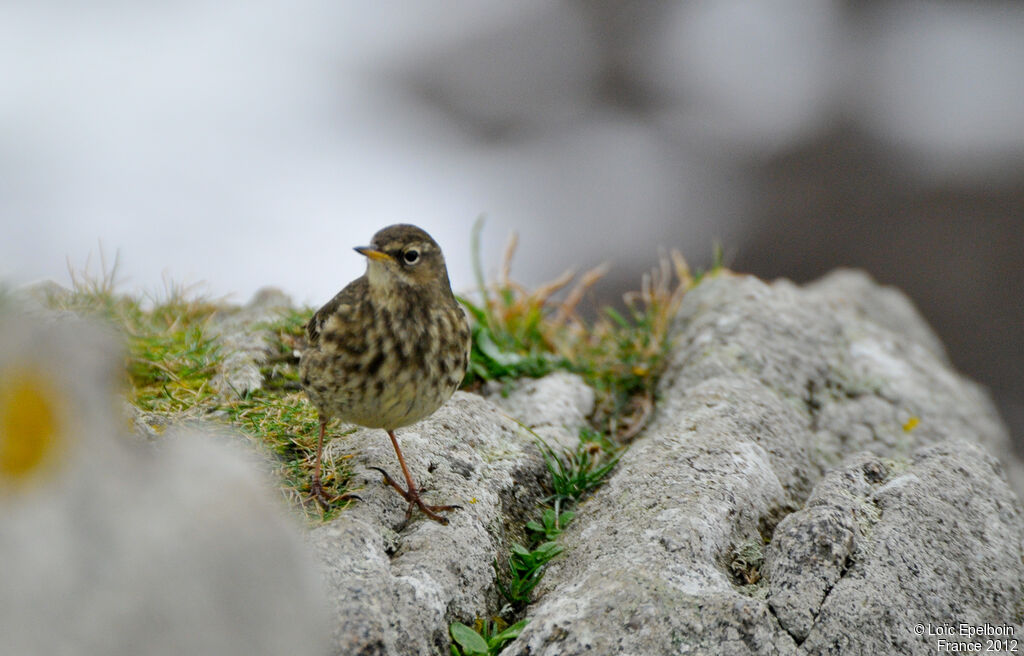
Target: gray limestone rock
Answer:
[[937, 542], [772, 394], [554, 407], [244, 341], [394, 586], [812, 548], [853, 291]]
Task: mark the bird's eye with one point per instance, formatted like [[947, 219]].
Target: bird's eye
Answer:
[[411, 256]]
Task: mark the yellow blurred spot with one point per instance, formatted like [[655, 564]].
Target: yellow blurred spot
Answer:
[[473, 500], [639, 370], [28, 425], [911, 424]]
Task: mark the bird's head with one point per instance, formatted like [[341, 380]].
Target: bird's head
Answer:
[[404, 255]]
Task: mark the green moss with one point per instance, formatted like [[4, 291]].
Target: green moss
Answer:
[[170, 368], [172, 355], [745, 564]]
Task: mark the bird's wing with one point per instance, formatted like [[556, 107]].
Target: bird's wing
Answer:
[[343, 304]]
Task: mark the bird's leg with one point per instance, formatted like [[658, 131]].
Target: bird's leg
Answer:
[[412, 493], [316, 490]]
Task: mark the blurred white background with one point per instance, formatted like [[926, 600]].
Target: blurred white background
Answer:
[[251, 144]]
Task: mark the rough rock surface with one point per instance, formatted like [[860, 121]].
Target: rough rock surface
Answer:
[[394, 586], [897, 546], [554, 407], [245, 341], [771, 386]]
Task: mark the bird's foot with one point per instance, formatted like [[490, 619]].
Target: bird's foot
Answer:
[[316, 493], [319, 495], [412, 495]]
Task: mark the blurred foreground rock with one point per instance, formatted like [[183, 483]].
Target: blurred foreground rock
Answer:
[[110, 546]]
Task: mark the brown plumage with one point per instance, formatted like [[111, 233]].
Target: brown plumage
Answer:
[[390, 348]]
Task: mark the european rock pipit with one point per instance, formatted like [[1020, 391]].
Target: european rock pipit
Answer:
[[389, 349]]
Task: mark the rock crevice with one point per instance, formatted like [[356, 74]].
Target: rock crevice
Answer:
[[395, 587]]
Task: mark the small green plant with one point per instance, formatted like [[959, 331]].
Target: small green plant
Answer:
[[509, 326], [493, 357], [574, 473], [487, 639], [717, 263], [526, 567], [550, 526]]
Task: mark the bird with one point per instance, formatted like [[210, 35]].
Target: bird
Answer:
[[388, 350]]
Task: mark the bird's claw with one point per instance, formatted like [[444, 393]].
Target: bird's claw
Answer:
[[317, 493], [412, 495]]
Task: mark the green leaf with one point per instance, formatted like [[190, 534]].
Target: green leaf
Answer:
[[511, 633], [470, 640], [520, 550], [548, 550], [616, 317], [491, 350]]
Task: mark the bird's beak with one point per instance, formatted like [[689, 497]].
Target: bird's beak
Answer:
[[372, 253]]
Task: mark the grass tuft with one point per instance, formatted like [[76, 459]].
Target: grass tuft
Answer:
[[573, 475], [621, 354], [172, 354], [525, 570]]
